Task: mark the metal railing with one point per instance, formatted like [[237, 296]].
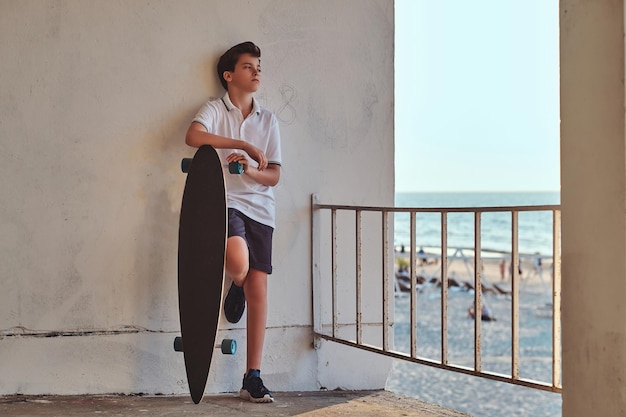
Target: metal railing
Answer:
[[326, 320]]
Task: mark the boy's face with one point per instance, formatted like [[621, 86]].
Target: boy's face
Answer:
[[247, 74]]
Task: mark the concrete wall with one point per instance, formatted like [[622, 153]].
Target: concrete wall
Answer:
[[593, 196], [96, 98]]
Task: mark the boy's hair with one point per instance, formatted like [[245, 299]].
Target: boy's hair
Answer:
[[228, 61]]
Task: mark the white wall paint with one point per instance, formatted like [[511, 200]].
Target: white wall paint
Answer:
[[96, 98]]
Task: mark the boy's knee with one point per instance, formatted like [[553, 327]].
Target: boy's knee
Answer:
[[237, 263], [237, 271]]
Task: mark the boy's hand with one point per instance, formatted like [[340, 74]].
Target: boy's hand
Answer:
[[238, 157], [256, 154]]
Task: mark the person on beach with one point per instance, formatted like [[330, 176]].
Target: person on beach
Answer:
[[243, 132]]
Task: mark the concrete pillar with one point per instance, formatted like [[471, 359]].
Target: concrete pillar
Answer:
[[593, 167]]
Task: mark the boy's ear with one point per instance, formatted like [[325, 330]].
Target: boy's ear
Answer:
[[227, 76]]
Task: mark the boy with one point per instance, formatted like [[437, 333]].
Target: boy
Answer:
[[243, 132]]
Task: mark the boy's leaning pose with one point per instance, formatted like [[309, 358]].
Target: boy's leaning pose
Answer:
[[244, 132]]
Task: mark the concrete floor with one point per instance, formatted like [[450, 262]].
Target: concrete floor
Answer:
[[311, 404]]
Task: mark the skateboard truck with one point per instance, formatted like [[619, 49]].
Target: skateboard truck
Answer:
[[228, 346], [233, 167]]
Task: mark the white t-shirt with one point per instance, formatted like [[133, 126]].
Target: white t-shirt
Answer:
[[260, 128]]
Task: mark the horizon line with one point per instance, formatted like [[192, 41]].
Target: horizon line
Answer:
[[474, 191]]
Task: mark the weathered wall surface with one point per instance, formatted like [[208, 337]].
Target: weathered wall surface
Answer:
[[96, 98], [593, 196]]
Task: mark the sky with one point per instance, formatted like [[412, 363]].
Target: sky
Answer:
[[477, 95]]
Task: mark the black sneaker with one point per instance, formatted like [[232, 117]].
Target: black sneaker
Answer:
[[253, 389], [234, 304]]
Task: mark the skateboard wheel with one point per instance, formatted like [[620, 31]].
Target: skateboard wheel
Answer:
[[229, 346], [235, 168], [185, 164], [178, 344]]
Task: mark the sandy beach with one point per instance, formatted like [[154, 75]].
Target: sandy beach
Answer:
[[473, 395], [534, 269]]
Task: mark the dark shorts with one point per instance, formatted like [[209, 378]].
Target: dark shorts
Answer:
[[257, 235]]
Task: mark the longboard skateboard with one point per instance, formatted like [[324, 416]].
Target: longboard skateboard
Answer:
[[201, 254]]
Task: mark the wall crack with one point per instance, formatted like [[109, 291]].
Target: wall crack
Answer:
[[21, 331]]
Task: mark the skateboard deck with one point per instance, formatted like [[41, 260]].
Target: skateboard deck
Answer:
[[201, 254]]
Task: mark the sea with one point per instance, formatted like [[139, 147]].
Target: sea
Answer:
[[534, 228], [476, 396]]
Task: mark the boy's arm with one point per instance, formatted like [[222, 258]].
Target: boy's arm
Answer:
[[268, 177], [197, 136]]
